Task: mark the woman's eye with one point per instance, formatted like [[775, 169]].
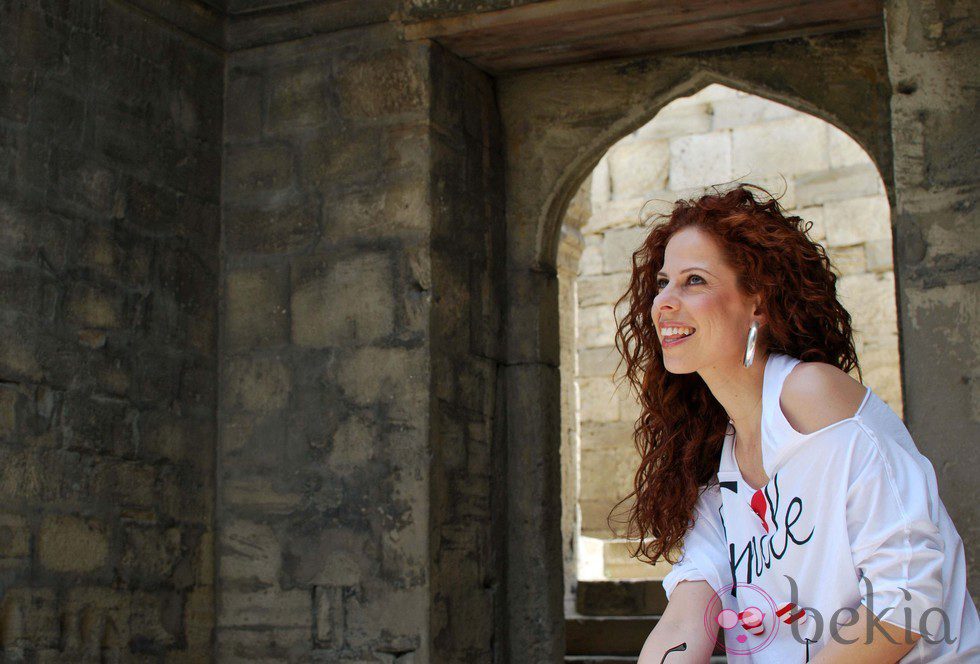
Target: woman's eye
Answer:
[[662, 283]]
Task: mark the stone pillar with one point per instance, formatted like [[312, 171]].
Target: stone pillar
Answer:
[[932, 54]]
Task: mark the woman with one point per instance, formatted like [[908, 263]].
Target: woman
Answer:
[[809, 526]]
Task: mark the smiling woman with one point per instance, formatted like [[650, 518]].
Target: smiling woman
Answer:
[[824, 490]]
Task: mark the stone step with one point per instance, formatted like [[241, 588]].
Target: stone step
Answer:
[[607, 635], [620, 598]]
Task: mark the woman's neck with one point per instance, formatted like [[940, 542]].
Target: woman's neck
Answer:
[[739, 391]]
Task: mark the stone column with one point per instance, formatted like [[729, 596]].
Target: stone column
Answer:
[[933, 52]]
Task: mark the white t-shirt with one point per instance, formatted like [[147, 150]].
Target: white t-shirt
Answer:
[[850, 503]]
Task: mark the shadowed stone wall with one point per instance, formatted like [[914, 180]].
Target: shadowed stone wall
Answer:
[[109, 155], [360, 323]]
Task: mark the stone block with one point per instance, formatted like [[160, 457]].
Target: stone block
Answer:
[[839, 184], [256, 170], [392, 619], [328, 616], [30, 232], [787, 147], [15, 536], [590, 261], [600, 361], [260, 495], [301, 96], [878, 255], [31, 615], [638, 167], [353, 444], [607, 435], [602, 289], [396, 209], [343, 301], [870, 299], [857, 220], [596, 326], [257, 384], [381, 86], [250, 552], [87, 305], [677, 120], [618, 247], [748, 110], [700, 160], [848, 260], [149, 555], [72, 544], [233, 644], [620, 214], [155, 620], [115, 253], [256, 308], [268, 607], [597, 401], [280, 227], [199, 619], [395, 378]]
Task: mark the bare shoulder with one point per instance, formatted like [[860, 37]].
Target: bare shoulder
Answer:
[[816, 394]]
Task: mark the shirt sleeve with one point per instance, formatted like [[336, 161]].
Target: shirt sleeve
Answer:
[[895, 544], [704, 551]]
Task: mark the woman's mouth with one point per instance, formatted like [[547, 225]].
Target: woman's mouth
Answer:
[[675, 335]]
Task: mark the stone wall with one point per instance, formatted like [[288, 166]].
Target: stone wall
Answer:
[[358, 354], [109, 154], [715, 136]]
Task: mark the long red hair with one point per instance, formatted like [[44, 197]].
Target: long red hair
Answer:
[[681, 427]]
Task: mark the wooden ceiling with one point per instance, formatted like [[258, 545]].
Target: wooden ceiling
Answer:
[[553, 32]]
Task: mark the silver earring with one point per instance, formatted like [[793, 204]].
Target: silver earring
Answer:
[[750, 345]]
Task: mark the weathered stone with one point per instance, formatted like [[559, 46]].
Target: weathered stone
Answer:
[[342, 301], [857, 220], [72, 544], [838, 185], [745, 109], [282, 227], [701, 160], [261, 169], [391, 377], [15, 535], [249, 552], [257, 311], [788, 147], [270, 607], [258, 384], [638, 167], [389, 84], [596, 402]]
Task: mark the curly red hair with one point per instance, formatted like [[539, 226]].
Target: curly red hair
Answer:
[[681, 427]]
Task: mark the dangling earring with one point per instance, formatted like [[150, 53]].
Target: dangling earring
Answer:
[[750, 345]]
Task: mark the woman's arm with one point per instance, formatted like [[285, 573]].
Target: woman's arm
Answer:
[[683, 622], [852, 646]]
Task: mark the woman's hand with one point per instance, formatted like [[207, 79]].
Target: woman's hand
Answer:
[[683, 622]]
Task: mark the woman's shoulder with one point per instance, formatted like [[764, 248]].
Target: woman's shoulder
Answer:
[[816, 395]]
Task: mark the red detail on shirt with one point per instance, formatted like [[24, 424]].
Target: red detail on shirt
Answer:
[[759, 507]]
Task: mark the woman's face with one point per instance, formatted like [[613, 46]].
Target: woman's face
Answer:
[[698, 292]]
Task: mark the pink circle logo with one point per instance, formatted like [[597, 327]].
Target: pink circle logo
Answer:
[[751, 629]]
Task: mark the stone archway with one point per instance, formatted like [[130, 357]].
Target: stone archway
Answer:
[[558, 123]]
